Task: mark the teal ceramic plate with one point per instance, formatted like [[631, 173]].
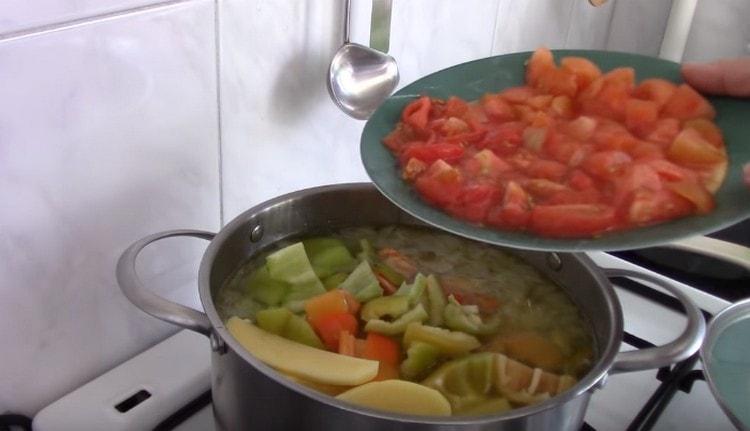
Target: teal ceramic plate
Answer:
[[726, 361], [473, 79]]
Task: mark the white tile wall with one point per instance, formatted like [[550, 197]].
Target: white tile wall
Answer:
[[108, 132], [23, 15]]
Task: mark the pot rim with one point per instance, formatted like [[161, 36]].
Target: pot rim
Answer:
[[592, 380]]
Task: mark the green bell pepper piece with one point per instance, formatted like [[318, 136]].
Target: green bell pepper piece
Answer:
[[261, 287], [282, 322], [291, 265], [465, 382], [392, 306], [362, 283], [458, 318], [335, 280], [416, 314], [328, 256], [436, 298], [414, 290], [449, 343], [366, 253], [420, 357]]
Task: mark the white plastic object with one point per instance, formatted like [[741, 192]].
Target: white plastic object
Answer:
[[172, 373], [677, 30]]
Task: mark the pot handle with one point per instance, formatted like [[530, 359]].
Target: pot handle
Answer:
[[677, 350], [150, 302]]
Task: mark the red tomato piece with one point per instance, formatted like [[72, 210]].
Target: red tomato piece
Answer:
[[547, 169], [543, 189], [581, 128], [417, 112], [668, 171], [640, 114], [454, 126], [496, 108], [429, 153], [334, 301], [381, 348], [330, 326], [557, 82], [503, 139], [514, 212], [689, 147], [541, 60], [686, 104], [707, 129], [694, 192], [651, 206], [663, 131], [475, 202], [517, 94], [562, 106], [567, 197], [441, 184], [647, 150], [656, 90], [455, 107], [621, 76], [606, 164], [485, 164], [576, 220], [580, 181], [583, 69]]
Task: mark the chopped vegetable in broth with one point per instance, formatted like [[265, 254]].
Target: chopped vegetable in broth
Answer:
[[481, 329]]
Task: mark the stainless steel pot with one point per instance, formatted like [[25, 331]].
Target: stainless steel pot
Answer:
[[248, 394]]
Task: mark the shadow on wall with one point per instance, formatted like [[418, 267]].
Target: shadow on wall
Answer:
[[302, 84]]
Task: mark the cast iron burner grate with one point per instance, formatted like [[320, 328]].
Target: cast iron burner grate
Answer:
[[679, 377]]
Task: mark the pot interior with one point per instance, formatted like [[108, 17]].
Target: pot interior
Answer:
[[330, 208]]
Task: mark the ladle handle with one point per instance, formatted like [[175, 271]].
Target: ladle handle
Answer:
[[347, 19], [684, 346], [380, 25], [150, 302]]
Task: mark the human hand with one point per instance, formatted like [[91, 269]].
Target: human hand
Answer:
[[729, 77]]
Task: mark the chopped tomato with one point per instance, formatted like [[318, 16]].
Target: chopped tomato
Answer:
[[334, 301], [583, 69], [640, 114], [517, 94], [558, 82], [663, 131], [417, 112], [455, 107], [548, 169], [695, 193], [656, 90], [381, 348], [606, 164], [429, 153], [330, 326], [496, 108], [541, 61], [690, 147], [475, 201], [686, 104], [514, 212], [440, 184], [576, 220], [651, 206], [707, 129], [575, 142]]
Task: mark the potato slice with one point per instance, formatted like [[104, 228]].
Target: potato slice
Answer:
[[399, 396], [305, 362]]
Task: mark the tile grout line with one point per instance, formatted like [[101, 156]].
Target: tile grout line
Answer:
[[79, 22], [494, 28], [217, 52]]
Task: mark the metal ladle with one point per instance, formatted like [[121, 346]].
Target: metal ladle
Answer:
[[360, 78]]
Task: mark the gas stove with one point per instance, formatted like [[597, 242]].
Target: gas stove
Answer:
[[168, 386]]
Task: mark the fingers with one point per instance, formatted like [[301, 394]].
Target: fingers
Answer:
[[725, 77]]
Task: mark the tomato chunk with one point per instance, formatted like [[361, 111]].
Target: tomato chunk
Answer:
[[440, 184], [541, 60], [575, 220], [334, 301], [656, 90], [430, 153], [417, 112], [583, 69], [686, 104], [689, 147], [330, 326], [514, 212]]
